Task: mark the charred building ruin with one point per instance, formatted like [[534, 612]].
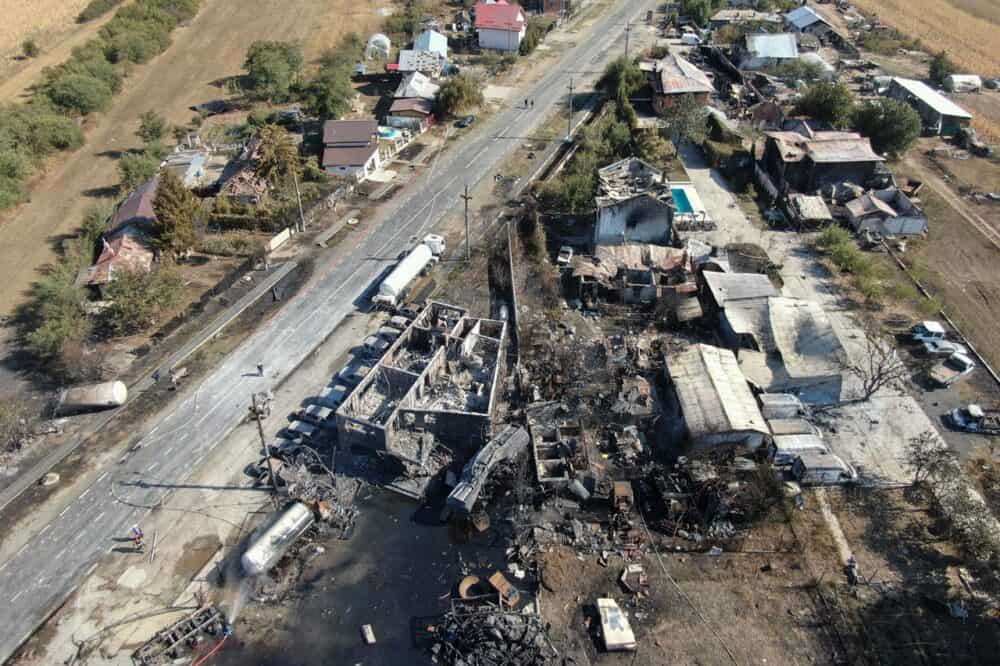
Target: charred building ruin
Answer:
[[437, 383]]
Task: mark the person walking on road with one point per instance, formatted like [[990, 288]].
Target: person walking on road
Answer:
[[137, 535], [260, 369]]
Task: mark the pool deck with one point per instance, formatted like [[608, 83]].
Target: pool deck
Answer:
[[697, 207]]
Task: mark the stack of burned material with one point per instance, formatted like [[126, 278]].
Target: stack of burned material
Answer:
[[300, 474], [178, 642], [708, 501], [509, 444], [489, 638], [564, 363]]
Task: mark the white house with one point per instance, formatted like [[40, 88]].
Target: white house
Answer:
[[500, 26], [351, 148], [433, 41]]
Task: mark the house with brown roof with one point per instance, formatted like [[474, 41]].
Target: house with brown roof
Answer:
[[123, 253], [351, 148], [807, 160], [673, 77]]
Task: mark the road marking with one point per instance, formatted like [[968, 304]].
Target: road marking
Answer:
[[476, 156], [99, 516], [63, 512], [21, 550], [102, 477], [44, 530], [14, 598], [153, 466], [84, 493]]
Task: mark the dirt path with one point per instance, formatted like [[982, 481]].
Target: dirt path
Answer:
[[935, 182], [212, 47]]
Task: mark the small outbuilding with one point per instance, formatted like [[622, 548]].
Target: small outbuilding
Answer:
[[888, 212], [714, 400], [816, 468], [378, 47], [765, 50], [939, 114], [807, 20], [432, 41]]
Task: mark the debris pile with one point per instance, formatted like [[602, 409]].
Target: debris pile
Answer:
[[178, 640], [489, 638]]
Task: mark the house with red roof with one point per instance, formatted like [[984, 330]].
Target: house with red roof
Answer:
[[500, 25]]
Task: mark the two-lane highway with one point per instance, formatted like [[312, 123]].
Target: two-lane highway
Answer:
[[37, 578]]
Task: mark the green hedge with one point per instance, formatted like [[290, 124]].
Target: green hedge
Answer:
[[96, 9]]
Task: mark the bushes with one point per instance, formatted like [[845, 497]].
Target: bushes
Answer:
[[80, 93], [30, 48], [134, 169], [407, 22], [138, 299], [272, 69], [328, 93], [96, 9], [535, 32], [458, 94], [891, 125], [832, 102], [83, 84]]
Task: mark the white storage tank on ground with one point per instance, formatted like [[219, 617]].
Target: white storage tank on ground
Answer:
[[94, 396], [408, 269], [268, 548]]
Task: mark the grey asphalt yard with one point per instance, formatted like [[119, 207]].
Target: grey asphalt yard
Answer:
[[47, 568]]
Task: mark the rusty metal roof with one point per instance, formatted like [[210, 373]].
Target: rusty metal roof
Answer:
[[677, 76]]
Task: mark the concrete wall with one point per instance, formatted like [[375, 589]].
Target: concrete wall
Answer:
[[642, 220], [500, 40], [457, 430], [749, 440]]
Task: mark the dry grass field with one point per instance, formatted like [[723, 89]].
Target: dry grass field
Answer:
[[211, 48], [35, 19], [965, 29]]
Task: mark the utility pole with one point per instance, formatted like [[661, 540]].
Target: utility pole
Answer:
[[298, 198], [255, 411], [468, 240], [569, 120], [628, 29]]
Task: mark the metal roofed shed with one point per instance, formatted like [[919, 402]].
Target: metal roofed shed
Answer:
[[714, 399], [816, 468], [763, 50], [786, 344], [722, 288], [431, 40], [808, 210], [807, 19], [415, 84], [940, 115], [784, 449]]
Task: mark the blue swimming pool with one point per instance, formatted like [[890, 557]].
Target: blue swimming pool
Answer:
[[388, 132], [681, 201]]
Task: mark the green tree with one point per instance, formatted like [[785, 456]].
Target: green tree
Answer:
[[534, 33], [940, 68], [621, 79], [654, 149], [891, 125], [832, 102], [687, 119], [134, 169], [175, 209], [273, 68], [79, 93], [328, 94], [278, 158], [139, 298], [152, 127], [30, 48], [458, 94], [698, 11]]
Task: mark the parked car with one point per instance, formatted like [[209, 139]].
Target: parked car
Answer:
[[317, 414], [944, 348], [951, 369], [927, 330], [565, 255], [466, 121], [332, 396], [973, 418], [353, 374], [376, 345]]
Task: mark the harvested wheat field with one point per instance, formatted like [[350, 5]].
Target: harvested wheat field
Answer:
[[33, 19], [208, 50], [965, 29]]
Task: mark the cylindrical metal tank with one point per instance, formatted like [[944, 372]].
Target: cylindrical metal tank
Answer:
[[408, 269], [436, 243], [269, 547], [94, 396]]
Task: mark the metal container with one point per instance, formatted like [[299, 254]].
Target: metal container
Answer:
[[269, 546], [94, 396]]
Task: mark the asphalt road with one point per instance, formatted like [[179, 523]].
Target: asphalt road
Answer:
[[46, 570]]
